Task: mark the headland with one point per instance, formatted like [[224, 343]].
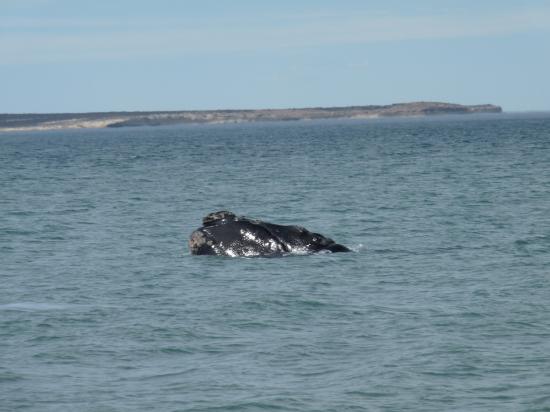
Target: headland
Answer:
[[53, 121]]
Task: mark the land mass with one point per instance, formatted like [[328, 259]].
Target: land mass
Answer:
[[43, 121]]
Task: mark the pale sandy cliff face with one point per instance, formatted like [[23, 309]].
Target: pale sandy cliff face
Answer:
[[68, 124]]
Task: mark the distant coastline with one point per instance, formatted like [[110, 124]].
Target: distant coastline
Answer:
[[53, 121]]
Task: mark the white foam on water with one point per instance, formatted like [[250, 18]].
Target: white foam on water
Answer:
[[33, 306], [358, 248]]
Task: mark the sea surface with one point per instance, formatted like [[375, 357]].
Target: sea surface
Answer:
[[444, 305]]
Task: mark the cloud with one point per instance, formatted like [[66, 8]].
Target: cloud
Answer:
[[61, 40]]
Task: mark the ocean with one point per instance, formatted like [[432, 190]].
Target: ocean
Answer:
[[443, 305]]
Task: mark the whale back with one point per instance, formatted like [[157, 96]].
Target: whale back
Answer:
[[226, 234]]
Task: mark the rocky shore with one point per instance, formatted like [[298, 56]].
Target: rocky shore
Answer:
[[22, 122]]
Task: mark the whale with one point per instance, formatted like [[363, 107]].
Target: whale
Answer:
[[223, 233]]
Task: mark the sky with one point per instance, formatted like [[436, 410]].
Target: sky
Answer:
[[126, 55]]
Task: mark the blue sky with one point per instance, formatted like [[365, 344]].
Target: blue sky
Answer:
[[75, 56]]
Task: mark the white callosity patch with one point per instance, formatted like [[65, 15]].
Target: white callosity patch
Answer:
[[230, 252], [268, 244], [299, 250], [196, 240], [219, 249]]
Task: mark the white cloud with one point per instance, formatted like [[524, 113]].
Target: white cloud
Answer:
[[39, 40]]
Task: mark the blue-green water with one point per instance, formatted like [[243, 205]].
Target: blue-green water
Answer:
[[445, 304]]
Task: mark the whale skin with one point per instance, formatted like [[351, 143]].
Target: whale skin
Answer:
[[225, 234]]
